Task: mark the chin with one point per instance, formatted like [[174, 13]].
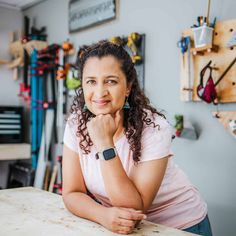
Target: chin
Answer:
[[102, 111]]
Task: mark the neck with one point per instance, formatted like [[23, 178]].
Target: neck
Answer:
[[120, 130]]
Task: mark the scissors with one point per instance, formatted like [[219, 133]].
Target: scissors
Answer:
[[183, 43]]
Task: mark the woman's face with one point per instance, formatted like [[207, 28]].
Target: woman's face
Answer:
[[104, 85]]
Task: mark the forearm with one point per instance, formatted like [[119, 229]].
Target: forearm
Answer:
[[82, 205], [120, 189]]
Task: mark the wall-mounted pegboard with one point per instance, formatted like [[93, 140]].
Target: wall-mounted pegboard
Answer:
[[228, 120], [191, 65]]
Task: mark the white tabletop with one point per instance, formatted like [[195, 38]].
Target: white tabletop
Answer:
[[30, 211]]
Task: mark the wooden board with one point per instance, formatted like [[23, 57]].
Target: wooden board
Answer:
[[14, 151], [186, 77], [224, 117], [16, 49], [226, 89], [30, 211], [37, 44], [2, 62]]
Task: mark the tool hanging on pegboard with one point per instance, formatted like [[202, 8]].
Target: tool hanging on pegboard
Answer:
[[208, 92]]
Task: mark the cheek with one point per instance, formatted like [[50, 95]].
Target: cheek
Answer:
[[87, 93], [87, 99], [119, 96]]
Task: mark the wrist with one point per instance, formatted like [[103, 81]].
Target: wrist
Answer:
[[105, 144], [107, 154], [101, 219]]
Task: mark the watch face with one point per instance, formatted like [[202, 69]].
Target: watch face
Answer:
[[109, 154]]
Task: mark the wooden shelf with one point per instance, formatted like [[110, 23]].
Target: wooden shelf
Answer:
[[2, 62], [202, 50], [15, 151]]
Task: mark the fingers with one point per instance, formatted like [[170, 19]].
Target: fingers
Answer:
[[123, 220], [126, 229], [131, 215], [127, 223]]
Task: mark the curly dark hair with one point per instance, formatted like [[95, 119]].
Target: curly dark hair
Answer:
[[134, 118]]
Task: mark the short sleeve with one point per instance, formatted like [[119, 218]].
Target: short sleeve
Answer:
[[70, 139], [156, 142]]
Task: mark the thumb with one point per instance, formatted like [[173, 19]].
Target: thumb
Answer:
[[131, 209]]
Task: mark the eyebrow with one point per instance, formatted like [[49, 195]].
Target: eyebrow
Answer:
[[107, 77], [112, 76]]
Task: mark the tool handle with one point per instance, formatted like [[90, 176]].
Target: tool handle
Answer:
[[208, 11], [224, 73]]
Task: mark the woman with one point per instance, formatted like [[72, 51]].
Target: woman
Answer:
[[117, 161]]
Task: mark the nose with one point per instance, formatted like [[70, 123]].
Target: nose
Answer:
[[101, 90]]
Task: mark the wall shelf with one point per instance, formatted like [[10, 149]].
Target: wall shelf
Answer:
[[15, 151]]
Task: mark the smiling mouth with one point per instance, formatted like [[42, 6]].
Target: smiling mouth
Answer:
[[101, 103]]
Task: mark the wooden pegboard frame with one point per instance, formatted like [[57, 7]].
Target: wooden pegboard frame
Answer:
[[226, 89], [224, 117]]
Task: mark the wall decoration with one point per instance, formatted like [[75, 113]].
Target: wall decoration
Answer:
[[84, 13]]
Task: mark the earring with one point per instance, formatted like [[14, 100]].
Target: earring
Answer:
[[85, 108], [126, 105]]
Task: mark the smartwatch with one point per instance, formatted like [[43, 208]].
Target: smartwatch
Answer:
[[107, 154]]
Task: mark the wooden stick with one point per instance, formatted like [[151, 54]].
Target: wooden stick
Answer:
[[11, 37], [2, 62], [46, 178], [208, 12], [53, 178], [15, 73], [225, 72]]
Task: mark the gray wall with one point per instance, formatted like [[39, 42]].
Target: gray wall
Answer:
[[210, 161], [10, 20]]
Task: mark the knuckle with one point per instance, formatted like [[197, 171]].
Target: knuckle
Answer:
[[114, 229], [129, 230], [131, 224], [115, 221], [128, 224], [140, 217]]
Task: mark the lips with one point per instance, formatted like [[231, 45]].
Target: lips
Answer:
[[101, 102]]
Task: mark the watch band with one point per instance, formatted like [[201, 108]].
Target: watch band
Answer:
[[107, 154]]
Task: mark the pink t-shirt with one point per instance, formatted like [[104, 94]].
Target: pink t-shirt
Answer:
[[177, 203]]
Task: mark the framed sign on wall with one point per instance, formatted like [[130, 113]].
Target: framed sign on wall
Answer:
[[87, 13]]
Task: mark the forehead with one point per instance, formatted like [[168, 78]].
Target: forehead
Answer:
[[108, 63]]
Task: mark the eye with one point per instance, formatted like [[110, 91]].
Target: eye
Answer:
[[91, 81], [111, 81]]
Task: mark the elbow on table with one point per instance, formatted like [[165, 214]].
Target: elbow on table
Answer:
[[65, 194], [68, 199], [65, 197]]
